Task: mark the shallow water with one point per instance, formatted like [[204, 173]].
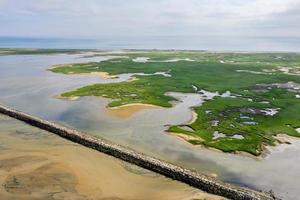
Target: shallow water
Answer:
[[25, 84], [37, 165]]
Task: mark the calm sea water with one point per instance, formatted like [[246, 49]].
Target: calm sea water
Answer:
[[25, 84], [160, 42]]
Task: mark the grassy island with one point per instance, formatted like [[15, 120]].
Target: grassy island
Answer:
[[33, 51], [265, 91]]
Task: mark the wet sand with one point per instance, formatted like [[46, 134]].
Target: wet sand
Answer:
[[104, 75], [37, 165], [28, 86], [194, 117], [73, 98], [184, 137], [129, 110]]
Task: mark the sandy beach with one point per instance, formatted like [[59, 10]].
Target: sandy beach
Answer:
[[194, 117], [128, 110]]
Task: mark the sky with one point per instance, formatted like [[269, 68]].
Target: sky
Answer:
[[150, 18]]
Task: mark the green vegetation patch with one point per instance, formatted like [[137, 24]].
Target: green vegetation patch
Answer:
[[228, 124], [244, 119], [22, 51]]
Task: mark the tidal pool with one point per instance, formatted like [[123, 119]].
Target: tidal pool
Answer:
[[26, 84]]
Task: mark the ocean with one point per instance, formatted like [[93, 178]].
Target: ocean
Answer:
[[212, 43]]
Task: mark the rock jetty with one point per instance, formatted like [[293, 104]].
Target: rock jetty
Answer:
[[194, 179]]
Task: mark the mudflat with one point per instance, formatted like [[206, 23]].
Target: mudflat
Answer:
[[129, 110], [36, 165]]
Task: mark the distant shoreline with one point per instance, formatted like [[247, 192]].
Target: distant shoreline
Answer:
[[96, 50]]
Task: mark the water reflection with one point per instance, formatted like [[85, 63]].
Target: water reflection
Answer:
[[36, 164], [26, 85]]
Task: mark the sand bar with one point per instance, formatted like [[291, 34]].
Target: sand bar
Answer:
[[128, 110]]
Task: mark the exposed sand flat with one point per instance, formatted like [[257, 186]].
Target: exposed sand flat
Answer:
[[128, 110], [41, 166], [184, 137], [290, 70], [194, 117], [284, 139], [104, 75], [61, 65], [147, 59], [73, 98]]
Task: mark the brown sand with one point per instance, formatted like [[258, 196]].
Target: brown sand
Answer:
[[129, 110], [194, 117], [104, 75], [41, 166], [185, 137], [72, 98]]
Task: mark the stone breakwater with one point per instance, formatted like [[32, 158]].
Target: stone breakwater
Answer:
[[196, 180]]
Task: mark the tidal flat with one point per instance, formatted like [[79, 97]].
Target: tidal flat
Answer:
[[26, 84], [35, 164]]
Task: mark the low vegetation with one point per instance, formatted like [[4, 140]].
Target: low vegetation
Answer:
[[244, 123], [30, 51]]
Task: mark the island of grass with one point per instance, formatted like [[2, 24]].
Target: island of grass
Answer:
[[265, 88], [32, 51]]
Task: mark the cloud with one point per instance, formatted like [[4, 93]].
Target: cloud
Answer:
[[95, 18]]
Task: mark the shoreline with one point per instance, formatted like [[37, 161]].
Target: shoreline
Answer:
[[200, 181], [193, 119], [128, 110], [104, 75], [145, 50], [134, 104], [113, 111], [266, 150], [285, 139], [127, 113], [72, 98], [185, 138]]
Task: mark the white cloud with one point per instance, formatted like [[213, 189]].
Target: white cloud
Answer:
[[155, 17]]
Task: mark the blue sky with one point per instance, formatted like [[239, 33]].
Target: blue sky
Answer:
[[98, 18]]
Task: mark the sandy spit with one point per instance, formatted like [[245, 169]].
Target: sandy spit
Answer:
[[128, 110]]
